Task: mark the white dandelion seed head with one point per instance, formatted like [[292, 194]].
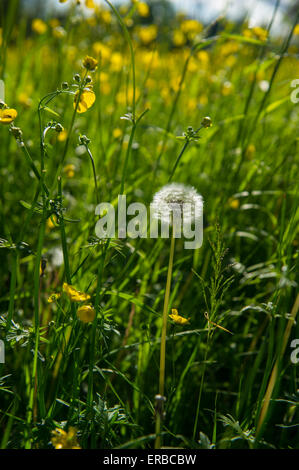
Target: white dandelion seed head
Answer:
[[173, 195]]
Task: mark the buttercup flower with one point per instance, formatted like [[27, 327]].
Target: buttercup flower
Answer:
[[90, 63], [177, 318], [39, 26], [86, 313], [206, 122], [65, 440], [87, 98], [69, 170], [75, 295], [7, 115], [53, 297]]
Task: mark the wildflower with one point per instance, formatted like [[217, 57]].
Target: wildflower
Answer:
[[59, 32], [227, 88], [206, 122], [90, 63], [106, 16], [65, 440], [69, 170], [117, 133], [42, 267], [7, 115], [39, 26], [24, 100], [102, 50], [87, 98], [51, 222], [143, 9], [53, 297], [234, 203], [250, 151], [75, 295], [117, 62], [296, 30], [62, 136], [86, 313], [177, 318], [179, 38], [147, 34], [90, 4], [257, 32], [186, 197], [54, 22]]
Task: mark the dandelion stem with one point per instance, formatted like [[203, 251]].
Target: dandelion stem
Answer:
[[159, 413]]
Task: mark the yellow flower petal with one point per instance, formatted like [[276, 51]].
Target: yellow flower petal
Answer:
[[87, 99], [75, 295], [177, 318], [86, 313], [7, 115]]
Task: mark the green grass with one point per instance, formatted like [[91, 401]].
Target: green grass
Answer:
[[223, 390]]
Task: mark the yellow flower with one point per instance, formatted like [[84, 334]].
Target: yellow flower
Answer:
[[7, 115], [117, 62], [69, 170], [234, 203], [62, 136], [106, 16], [177, 318], [90, 63], [39, 26], [90, 4], [256, 32], [87, 98], [24, 100], [143, 9], [147, 34], [250, 151], [75, 295], [51, 222], [54, 22], [65, 440], [260, 33], [86, 313], [102, 50], [191, 28], [179, 38], [117, 133], [206, 122], [296, 30], [53, 297]]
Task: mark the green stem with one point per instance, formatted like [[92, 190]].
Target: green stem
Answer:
[[33, 383], [94, 173], [163, 341]]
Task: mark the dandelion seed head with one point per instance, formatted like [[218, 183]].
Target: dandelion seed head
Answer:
[[174, 195]]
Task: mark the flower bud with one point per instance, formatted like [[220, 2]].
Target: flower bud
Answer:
[[206, 122]]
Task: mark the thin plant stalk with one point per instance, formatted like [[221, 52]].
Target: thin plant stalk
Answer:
[[159, 413]]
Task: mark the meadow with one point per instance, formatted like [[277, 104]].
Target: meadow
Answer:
[[122, 101]]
